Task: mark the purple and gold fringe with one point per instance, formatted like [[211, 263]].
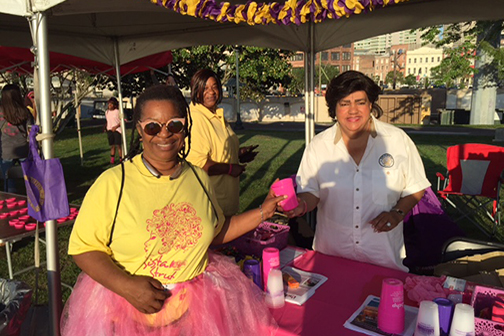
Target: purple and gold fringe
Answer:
[[291, 11]]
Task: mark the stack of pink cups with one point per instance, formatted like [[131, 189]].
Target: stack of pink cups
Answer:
[[391, 308]]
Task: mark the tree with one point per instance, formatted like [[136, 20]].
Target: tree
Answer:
[[460, 42], [399, 77], [327, 71], [297, 84], [261, 70], [186, 61], [480, 40], [410, 80], [454, 67]]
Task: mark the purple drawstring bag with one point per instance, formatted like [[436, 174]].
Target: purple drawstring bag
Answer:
[[45, 184]]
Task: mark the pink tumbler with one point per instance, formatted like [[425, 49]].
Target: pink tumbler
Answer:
[[270, 260], [286, 187], [391, 308]]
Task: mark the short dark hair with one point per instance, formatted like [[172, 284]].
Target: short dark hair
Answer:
[[114, 102], [349, 82], [161, 92], [198, 83]]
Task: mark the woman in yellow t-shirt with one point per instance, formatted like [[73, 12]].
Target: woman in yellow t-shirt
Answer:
[[214, 145], [142, 238]]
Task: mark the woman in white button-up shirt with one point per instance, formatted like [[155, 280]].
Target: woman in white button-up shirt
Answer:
[[363, 175]]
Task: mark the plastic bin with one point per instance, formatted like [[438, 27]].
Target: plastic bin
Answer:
[[14, 304], [266, 235]]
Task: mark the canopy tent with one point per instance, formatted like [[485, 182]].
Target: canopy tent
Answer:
[[85, 28], [102, 30], [21, 60]]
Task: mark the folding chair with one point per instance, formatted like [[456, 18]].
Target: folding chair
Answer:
[[475, 175], [458, 247]]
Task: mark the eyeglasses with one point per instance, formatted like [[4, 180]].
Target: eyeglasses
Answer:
[[175, 125]]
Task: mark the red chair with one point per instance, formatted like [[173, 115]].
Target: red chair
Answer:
[[475, 174]]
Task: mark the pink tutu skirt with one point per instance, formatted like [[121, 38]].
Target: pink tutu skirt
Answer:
[[219, 302]]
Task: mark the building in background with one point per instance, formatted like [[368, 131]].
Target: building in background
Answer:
[[340, 57], [380, 45], [419, 62]]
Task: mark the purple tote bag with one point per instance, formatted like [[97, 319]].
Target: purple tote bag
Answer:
[[45, 184]]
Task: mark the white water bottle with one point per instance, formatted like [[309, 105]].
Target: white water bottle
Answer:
[[275, 290]]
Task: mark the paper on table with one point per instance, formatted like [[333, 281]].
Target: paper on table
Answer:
[[290, 253], [308, 283], [365, 319]]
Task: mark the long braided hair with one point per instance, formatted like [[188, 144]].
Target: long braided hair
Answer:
[[161, 92]]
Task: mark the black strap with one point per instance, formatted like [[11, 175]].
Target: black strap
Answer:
[[118, 203], [204, 189]]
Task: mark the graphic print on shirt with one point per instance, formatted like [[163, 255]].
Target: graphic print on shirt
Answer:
[[173, 228]]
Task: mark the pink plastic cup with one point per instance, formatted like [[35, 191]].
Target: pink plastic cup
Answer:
[[11, 205], [270, 260], [391, 308], [30, 226], [73, 210], [4, 215], [14, 213], [2, 201], [24, 218], [10, 200], [19, 225], [21, 203], [62, 220], [13, 222], [23, 211], [286, 187]]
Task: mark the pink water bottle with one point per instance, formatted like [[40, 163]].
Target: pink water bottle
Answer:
[[270, 260]]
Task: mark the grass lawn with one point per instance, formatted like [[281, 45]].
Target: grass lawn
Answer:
[[279, 156]]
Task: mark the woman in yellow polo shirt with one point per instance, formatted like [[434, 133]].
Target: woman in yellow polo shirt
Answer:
[[214, 145]]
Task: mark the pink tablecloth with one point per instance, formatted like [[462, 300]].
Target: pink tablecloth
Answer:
[[349, 283]]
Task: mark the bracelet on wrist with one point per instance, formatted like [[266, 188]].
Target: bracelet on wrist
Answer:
[[262, 214], [230, 169], [399, 211]]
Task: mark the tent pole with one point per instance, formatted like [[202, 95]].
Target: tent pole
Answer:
[[36, 87], [77, 118], [119, 91], [311, 115], [53, 269], [307, 96]]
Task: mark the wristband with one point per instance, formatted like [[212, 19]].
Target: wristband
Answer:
[[399, 211], [230, 168], [305, 209], [262, 215]]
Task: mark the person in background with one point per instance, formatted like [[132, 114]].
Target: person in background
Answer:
[[142, 244], [215, 147], [170, 80], [30, 104], [362, 175], [113, 118], [15, 120]]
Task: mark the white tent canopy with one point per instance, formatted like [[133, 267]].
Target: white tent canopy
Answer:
[[85, 28]]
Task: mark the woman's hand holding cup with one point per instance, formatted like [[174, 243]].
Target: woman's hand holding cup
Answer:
[[270, 204]]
